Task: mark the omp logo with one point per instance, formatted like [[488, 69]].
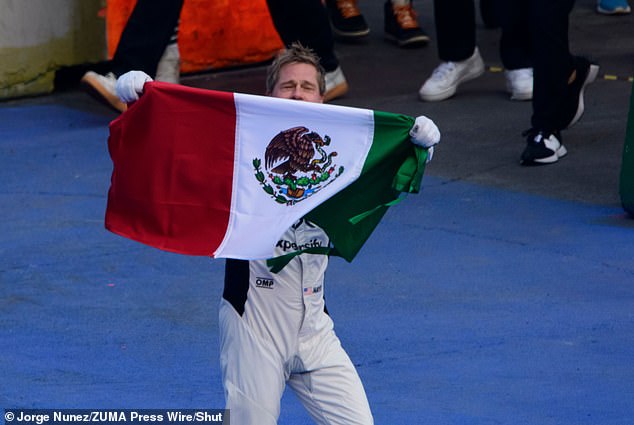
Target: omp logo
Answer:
[[262, 282]]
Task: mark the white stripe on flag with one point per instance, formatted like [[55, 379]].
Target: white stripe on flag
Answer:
[[257, 220]]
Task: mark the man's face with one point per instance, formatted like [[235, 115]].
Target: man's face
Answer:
[[298, 81]]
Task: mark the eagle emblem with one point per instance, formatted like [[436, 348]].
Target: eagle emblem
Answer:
[[296, 165]]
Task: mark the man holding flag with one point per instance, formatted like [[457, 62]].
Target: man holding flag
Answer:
[[274, 328]]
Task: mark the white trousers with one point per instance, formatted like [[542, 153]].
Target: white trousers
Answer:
[[255, 374]]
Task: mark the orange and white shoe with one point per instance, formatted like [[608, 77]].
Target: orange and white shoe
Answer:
[[102, 88]]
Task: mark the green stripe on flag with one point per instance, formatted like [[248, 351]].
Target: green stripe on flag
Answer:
[[389, 132], [393, 165]]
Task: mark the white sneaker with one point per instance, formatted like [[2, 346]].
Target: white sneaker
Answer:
[[168, 69], [448, 75], [102, 87], [336, 84], [519, 83]]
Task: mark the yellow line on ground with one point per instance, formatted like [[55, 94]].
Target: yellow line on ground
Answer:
[[607, 77]]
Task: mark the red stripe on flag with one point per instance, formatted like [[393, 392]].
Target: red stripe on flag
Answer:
[[173, 156]]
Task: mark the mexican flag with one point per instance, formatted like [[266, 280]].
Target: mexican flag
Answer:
[[220, 174]]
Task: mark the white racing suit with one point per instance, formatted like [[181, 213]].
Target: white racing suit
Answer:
[[274, 330]]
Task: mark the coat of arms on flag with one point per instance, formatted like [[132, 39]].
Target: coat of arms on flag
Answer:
[[297, 165]]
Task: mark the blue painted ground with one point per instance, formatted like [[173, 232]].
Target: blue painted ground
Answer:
[[469, 305]]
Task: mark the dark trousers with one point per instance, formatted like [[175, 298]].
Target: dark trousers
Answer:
[[456, 33], [305, 21], [534, 34], [545, 24], [145, 36], [455, 29]]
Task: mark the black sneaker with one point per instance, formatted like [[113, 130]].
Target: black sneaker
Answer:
[[346, 19], [586, 73], [401, 26], [542, 148]]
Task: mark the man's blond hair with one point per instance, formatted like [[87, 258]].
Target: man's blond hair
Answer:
[[296, 53]]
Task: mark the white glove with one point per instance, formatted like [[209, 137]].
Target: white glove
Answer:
[[424, 132], [130, 85]]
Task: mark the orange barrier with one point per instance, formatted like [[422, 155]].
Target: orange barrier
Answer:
[[212, 33]]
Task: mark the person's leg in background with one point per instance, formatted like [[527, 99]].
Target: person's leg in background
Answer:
[[147, 33], [148, 39], [455, 29], [307, 21], [457, 50], [515, 50], [553, 63], [559, 80]]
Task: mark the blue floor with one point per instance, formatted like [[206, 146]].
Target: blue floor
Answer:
[[469, 304]]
